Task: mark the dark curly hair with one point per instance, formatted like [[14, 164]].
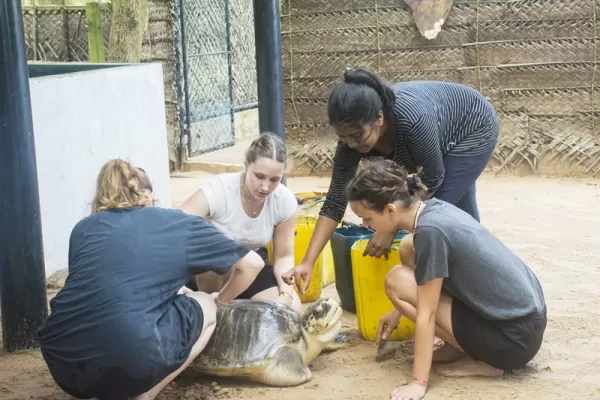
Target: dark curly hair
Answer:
[[380, 182]]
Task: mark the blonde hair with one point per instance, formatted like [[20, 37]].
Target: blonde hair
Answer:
[[120, 184]]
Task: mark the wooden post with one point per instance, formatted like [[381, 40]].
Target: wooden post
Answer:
[[95, 32]]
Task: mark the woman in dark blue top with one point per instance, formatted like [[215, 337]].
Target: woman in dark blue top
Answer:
[[124, 325]]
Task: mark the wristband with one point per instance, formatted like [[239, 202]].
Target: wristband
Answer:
[[419, 381], [291, 298]]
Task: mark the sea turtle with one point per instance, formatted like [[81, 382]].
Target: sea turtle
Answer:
[[269, 343]]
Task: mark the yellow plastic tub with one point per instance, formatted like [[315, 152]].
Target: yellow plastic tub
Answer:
[[310, 197], [304, 233], [372, 302], [308, 213]]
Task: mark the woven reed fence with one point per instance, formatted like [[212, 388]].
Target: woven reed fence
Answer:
[[536, 60], [59, 33]]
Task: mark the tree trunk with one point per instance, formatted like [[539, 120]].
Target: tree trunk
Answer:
[[128, 26]]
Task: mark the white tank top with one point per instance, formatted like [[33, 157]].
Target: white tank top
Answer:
[[227, 215]]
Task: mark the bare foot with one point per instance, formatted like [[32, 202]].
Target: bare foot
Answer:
[[437, 343], [468, 367], [145, 396], [446, 354]]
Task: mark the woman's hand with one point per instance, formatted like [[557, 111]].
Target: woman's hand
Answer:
[[285, 296], [379, 244], [387, 324], [297, 275], [412, 391], [185, 290], [215, 297]]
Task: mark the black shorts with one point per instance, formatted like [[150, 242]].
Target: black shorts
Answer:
[[505, 345], [264, 280], [100, 383], [113, 387]]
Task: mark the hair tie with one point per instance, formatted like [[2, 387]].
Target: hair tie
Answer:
[[411, 184]]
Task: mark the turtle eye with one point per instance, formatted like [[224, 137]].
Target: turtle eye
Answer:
[[319, 312]]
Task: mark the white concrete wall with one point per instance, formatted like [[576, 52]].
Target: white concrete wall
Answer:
[[81, 121]]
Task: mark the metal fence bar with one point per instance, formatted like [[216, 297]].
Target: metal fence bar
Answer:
[[184, 119], [214, 53], [245, 107], [230, 64]]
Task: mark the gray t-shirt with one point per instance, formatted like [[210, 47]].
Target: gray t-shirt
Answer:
[[478, 268]]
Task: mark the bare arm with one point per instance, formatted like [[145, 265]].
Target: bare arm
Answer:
[[344, 167], [197, 204], [432, 252], [209, 250], [243, 273], [428, 297], [283, 250]]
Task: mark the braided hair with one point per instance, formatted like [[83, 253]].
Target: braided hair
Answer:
[[380, 182], [267, 145]]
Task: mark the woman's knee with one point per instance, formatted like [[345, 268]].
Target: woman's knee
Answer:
[[400, 283], [407, 251], [209, 308]]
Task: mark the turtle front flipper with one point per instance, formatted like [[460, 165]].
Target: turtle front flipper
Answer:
[[341, 341], [286, 368]]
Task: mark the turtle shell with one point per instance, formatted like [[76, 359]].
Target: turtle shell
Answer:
[[246, 332]]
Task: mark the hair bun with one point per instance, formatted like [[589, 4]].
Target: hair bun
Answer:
[[411, 184], [348, 72]]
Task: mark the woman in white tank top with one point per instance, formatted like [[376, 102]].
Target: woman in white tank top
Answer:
[[252, 208]]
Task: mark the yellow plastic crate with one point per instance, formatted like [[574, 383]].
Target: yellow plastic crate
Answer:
[[372, 303]]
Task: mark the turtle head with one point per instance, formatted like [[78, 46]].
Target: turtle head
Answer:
[[323, 318]]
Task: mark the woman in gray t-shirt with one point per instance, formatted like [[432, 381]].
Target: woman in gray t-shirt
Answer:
[[460, 282]]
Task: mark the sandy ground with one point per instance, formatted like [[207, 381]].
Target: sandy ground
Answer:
[[532, 215]]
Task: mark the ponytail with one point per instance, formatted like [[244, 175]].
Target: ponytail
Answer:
[[359, 98]]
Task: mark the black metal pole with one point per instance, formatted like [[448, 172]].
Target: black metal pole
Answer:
[[269, 75], [22, 271], [184, 112]]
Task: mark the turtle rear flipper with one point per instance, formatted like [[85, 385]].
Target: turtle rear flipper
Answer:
[[287, 368]]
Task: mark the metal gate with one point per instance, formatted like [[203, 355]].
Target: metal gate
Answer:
[[204, 74]]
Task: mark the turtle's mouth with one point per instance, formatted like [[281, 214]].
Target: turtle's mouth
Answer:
[[333, 318], [337, 315], [333, 326]]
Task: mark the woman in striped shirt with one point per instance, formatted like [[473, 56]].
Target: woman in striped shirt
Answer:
[[445, 130]]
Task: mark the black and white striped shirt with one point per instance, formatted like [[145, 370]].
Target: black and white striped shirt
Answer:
[[432, 119]]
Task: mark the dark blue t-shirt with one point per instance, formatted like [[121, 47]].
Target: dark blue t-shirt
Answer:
[[119, 306]]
